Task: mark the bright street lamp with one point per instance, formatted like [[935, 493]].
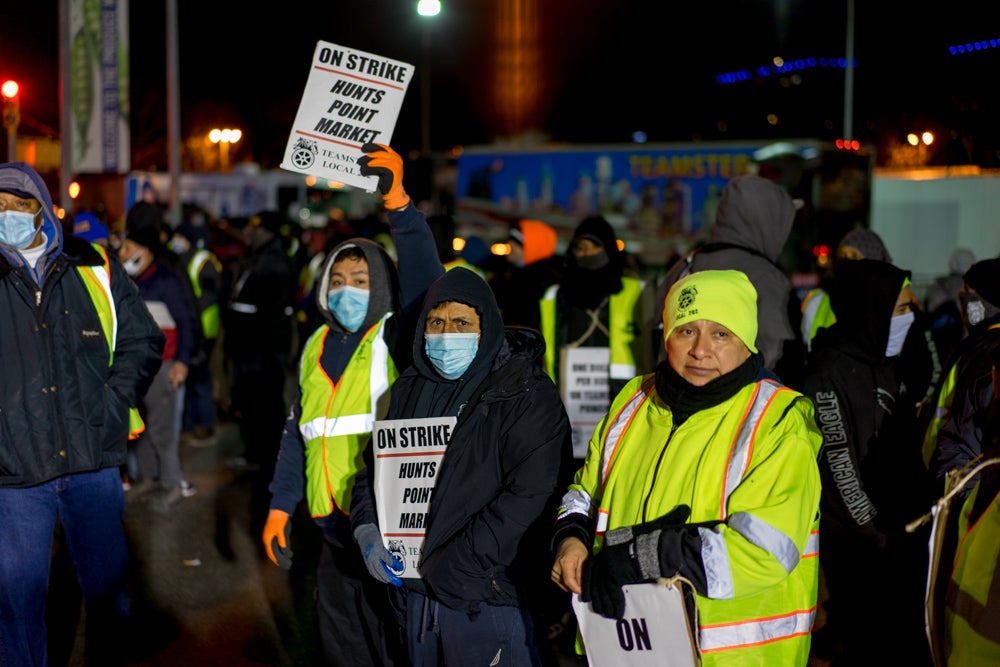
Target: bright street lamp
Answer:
[[426, 9], [224, 138]]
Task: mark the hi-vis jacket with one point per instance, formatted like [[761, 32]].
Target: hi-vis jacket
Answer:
[[621, 326], [972, 607], [749, 462], [336, 425]]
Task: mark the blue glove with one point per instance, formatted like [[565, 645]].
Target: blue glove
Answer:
[[381, 564]]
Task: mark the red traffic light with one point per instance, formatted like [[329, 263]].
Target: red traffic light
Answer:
[[9, 89], [848, 144]]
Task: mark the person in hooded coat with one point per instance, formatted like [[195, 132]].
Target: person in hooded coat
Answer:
[[597, 306], [752, 224], [346, 371], [873, 479], [494, 492]]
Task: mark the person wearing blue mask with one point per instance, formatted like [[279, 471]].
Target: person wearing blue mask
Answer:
[[79, 350], [468, 599], [346, 369]]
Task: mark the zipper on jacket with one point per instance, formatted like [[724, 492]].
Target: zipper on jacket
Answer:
[[656, 470]]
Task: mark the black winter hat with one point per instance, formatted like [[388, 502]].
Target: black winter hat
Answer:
[[984, 277], [143, 224]]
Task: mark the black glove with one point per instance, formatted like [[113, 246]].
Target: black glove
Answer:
[[605, 574], [630, 555]]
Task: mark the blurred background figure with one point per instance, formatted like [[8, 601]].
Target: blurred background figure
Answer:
[[258, 321], [443, 229], [942, 305], [531, 268], [204, 272], [167, 297], [89, 227]]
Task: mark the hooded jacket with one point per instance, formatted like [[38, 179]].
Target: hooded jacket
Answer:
[[867, 463], [65, 409], [752, 224], [388, 296], [501, 476]]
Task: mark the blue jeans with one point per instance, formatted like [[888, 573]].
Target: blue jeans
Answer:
[[91, 507], [437, 635]]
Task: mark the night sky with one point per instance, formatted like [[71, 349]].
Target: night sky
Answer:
[[608, 68]]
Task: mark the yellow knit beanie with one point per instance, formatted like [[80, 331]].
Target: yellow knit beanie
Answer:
[[725, 297]]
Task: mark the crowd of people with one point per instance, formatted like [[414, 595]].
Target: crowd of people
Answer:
[[509, 456]]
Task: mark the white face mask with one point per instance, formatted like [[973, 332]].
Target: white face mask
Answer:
[[899, 326], [133, 265]]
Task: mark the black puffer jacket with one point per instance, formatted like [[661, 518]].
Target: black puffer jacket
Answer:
[[506, 464], [63, 409]]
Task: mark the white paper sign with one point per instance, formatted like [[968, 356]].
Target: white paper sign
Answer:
[[585, 391], [654, 630], [351, 97], [408, 457]]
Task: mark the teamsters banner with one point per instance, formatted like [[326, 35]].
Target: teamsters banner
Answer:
[[97, 85]]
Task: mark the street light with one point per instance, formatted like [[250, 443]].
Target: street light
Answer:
[[11, 116], [224, 138], [427, 9]]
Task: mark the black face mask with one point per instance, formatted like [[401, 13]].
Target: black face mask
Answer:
[[592, 262]]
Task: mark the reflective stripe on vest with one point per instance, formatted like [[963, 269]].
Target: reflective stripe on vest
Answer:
[[620, 305], [97, 280], [713, 551], [335, 425]]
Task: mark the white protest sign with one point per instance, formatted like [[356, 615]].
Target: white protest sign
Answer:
[[408, 456], [654, 630], [351, 97], [585, 391]]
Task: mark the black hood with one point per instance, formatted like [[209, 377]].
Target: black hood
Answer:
[[586, 288], [863, 296], [464, 286], [383, 282]]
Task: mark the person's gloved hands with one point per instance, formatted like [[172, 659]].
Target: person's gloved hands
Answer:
[[630, 555], [385, 163], [276, 532], [381, 564], [675, 517]]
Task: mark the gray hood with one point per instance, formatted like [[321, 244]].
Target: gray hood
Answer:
[[383, 283], [754, 213]]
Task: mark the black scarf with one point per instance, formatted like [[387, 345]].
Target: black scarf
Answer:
[[685, 398]]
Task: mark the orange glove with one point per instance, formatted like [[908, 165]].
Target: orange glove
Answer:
[[276, 533], [388, 166]]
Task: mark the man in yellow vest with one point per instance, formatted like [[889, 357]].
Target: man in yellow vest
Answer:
[[346, 369], [704, 469], [78, 349]]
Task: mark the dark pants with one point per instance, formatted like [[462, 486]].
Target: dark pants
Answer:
[[258, 392], [437, 635], [199, 401], [356, 624]]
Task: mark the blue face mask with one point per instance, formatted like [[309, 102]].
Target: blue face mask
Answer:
[[17, 228], [898, 328], [451, 353], [349, 305]]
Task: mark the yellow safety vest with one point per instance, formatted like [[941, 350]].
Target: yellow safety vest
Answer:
[[621, 327], [337, 417], [97, 279], [816, 314], [209, 316], [761, 564], [972, 603]]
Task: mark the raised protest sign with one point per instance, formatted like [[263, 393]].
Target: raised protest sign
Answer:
[[585, 392], [408, 455], [351, 98]]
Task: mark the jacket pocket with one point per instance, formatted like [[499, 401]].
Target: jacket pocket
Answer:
[[10, 464]]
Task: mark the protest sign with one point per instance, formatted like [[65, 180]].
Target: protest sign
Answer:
[[585, 391], [408, 454], [351, 98]]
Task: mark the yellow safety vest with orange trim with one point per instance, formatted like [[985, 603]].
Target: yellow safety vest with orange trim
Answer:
[[749, 462], [97, 279]]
